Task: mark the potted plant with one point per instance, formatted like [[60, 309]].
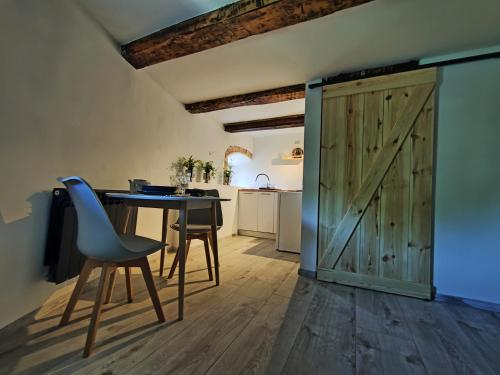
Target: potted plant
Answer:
[[228, 173], [189, 163], [199, 166], [208, 170], [178, 165]]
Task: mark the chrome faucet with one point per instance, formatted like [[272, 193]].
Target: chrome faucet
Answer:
[[263, 174]]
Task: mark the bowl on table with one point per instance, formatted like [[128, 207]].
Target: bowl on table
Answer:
[[157, 190]]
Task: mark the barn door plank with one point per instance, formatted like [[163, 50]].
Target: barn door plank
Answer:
[[339, 184], [352, 173], [332, 151], [395, 192], [374, 177], [325, 180], [372, 144], [420, 228]]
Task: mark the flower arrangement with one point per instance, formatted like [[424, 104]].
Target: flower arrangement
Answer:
[[199, 170], [188, 164], [209, 170], [228, 173]]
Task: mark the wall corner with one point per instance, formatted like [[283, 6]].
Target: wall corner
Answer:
[[310, 195]]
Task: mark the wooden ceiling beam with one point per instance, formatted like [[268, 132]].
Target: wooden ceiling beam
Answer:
[[228, 24], [293, 121], [280, 94]]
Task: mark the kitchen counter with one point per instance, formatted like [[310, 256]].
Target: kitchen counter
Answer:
[[273, 214]]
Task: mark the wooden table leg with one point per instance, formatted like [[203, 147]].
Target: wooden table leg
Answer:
[[183, 215], [163, 239], [215, 248]]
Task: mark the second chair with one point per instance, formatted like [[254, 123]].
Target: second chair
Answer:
[[198, 228]]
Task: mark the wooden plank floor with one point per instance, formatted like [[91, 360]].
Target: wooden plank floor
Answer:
[[263, 319]]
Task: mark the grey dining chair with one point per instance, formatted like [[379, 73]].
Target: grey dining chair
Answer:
[[199, 228], [103, 247]]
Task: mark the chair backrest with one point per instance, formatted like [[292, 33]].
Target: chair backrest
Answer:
[[202, 216], [96, 236]]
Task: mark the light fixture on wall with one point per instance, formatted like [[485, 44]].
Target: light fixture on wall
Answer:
[[296, 154]]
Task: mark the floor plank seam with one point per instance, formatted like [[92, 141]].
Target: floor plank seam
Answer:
[[355, 330], [175, 335], [451, 317], [230, 343], [412, 333], [153, 352], [248, 323], [295, 339], [201, 318]]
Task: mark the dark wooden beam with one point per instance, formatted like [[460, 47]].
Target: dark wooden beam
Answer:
[[294, 121], [225, 25], [280, 94]]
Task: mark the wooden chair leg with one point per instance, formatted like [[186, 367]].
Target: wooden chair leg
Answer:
[[164, 228], [162, 261], [174, 265], [129, 285], [207, 255], [153, 293], [210, 242], [111, 286], [82, 279], [176, 260], [96, 312]]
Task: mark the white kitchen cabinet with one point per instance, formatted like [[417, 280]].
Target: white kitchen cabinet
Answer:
[[265, 212], [258, 211], [248, 210]]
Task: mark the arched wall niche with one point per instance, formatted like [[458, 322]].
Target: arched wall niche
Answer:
[[235, 149]]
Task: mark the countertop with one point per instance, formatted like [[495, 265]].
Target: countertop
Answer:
[[272, 190]]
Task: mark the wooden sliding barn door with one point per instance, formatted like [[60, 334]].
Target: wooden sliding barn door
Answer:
[[375, 212]]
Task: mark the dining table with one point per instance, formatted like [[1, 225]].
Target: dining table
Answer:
[[183, 204]]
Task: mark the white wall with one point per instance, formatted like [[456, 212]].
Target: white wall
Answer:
[[267, 153], [467, 195], [467, 208], [70, 104]]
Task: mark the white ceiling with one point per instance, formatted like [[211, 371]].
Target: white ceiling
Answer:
[[377, 33]]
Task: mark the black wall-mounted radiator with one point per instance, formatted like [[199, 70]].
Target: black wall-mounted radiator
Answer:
[[61, 254]]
